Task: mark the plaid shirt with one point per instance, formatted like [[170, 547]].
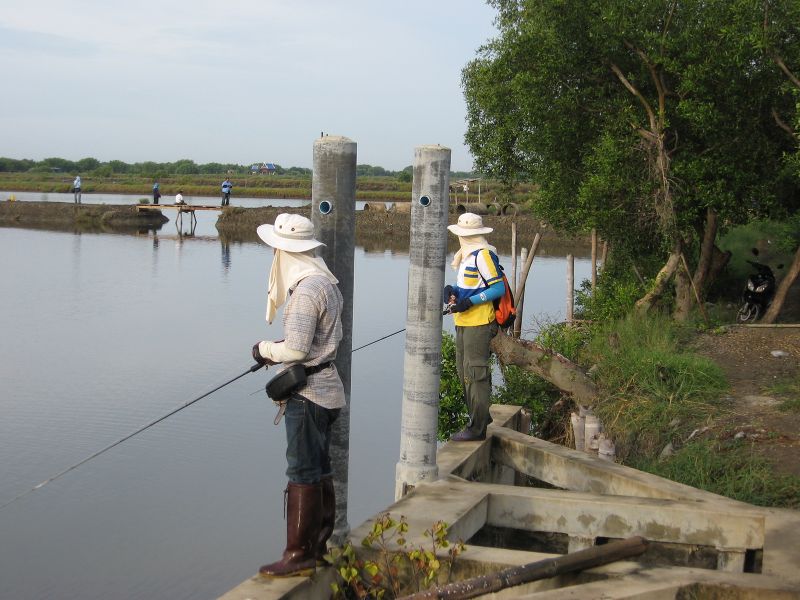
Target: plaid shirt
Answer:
[[312, 323]]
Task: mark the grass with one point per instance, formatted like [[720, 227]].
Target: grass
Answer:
[[789, 390], [653, 390], [253, 186], [730, 468]]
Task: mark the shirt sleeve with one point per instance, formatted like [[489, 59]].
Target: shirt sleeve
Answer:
[[488, 268], [300, 320], [493, 292]]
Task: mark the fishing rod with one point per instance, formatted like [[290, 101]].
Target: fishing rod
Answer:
[[252, 369], [380, 339]]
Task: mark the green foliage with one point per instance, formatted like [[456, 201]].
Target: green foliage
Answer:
[[522, 388], [453, 415], [611, 299], [572, 94], [730, 468], [564, 339], [652, 388], [398, 567]]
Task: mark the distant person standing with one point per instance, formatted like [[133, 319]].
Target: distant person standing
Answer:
[[156, 192], [179, 197], [226, 192], [76, 189]]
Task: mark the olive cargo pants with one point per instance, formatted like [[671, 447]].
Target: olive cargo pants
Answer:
[[472, 364]]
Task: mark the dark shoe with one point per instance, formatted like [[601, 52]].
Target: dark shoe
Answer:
[[303, 514], [465, 435], [328, 518]]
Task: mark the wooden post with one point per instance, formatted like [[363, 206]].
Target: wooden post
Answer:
[[513, 280], [519, 298], [594, 258], [570, 287]]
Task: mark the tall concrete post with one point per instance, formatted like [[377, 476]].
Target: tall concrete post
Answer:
[[423, 352], [333, 207]]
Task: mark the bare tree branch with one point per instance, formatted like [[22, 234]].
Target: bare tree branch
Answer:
[[633, 90]]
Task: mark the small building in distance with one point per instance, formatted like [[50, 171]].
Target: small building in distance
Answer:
[[263, 169]]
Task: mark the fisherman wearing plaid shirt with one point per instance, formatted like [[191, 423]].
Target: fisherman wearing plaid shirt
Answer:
[[312, 322]]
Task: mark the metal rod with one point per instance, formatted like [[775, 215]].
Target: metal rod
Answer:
[[252, 369], [543, 569]]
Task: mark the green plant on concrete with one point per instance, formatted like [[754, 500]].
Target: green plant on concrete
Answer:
[[652, 387], [730, 468], [393, 571]]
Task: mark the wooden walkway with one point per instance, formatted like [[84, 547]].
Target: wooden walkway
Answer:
[[181, 208]]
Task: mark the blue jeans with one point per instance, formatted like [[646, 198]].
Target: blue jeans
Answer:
[[308, 440]]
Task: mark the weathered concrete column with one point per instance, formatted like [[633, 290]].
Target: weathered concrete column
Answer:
[[423, 352], [333, 208]]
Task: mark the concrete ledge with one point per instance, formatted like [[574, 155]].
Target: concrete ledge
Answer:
[[575, 470]]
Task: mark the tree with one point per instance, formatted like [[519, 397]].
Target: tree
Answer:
[[629, 124], [782, 47]]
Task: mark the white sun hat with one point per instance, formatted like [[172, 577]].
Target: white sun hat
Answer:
[[293, 233], [469, 224]]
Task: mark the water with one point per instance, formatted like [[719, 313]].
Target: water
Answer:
[[104, 333]]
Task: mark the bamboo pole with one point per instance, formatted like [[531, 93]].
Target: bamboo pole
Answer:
[[594, 258], [519, 297], [543, 569], [570, 288], [513, 280]]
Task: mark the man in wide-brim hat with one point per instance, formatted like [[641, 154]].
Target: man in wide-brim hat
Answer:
[[479, 282], [312, 322]]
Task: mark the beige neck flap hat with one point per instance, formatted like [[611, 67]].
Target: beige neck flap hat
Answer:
[[469, 224], [293, 233]]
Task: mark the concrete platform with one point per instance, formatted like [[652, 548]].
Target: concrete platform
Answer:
[[745, 551]]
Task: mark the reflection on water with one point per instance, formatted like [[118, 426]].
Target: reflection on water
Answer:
[[104, 333]]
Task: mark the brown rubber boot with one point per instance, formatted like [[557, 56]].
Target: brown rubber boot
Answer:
[[328, 518], [302, 532]]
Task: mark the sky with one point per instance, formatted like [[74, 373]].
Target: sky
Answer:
[[239, 81]]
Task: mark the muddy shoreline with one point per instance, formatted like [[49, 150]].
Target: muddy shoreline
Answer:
[[82, 217], [376, 231]]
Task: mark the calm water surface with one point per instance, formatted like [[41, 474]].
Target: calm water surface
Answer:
[[102, 334]]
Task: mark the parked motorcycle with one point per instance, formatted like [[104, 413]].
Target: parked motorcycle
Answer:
[[758, 292]]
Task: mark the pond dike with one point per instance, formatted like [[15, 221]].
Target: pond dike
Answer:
[[516, 499], [84, 217], [377, 230]]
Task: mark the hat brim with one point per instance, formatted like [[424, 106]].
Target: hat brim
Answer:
[[267, 233], [463, 231]]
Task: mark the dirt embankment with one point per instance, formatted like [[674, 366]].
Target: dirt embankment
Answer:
[[762, 365], [60, 215], [382, 230]]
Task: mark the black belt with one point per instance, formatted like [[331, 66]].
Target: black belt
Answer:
[[317, 368]]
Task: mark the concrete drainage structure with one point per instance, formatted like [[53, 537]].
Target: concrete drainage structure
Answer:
[[701, 545]]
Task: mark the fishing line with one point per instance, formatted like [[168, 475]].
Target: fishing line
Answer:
[[252, 369]]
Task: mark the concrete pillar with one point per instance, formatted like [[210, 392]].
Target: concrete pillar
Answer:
[[333, 206], [423, 351], [577, 542], [731, 561]]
